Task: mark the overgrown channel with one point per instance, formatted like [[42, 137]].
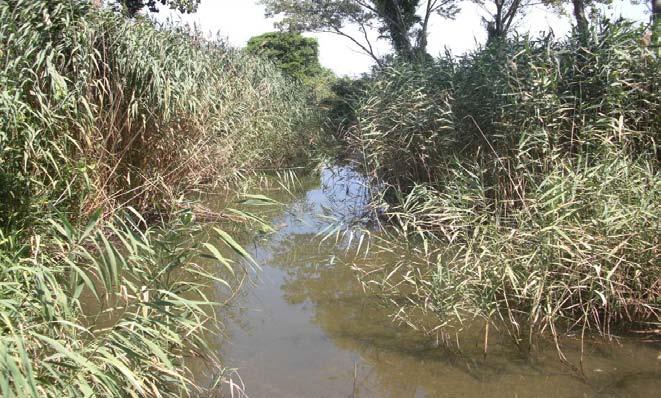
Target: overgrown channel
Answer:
[[305, 326], [179, 217]]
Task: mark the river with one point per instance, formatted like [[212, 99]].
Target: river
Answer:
[[305, 327]]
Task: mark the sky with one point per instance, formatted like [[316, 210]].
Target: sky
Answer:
[[239, 20]]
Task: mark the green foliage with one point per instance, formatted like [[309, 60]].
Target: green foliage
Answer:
[[340, 106], [295, 55], [133, 6], [99, 111], [108, 309], [525, 179], [395, 20], [399, 19], [405, 122]]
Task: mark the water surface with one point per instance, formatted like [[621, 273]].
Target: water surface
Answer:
[[306, 328]]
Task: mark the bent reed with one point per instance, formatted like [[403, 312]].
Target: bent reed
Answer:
[[523, 180], [107, 124]]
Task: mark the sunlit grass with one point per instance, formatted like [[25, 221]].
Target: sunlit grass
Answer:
[[99, 111], [523, 182], [111, 309], [107, 125]]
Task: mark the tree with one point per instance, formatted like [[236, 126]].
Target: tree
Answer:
[[579, 13], [295, 55], [396, 20], [502, 14], [582, 25], [133, 6]]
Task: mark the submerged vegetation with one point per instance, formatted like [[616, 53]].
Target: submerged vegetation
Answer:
[[524, 178], [107, 124]]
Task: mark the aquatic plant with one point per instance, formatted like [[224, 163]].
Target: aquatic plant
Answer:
[[101, 111], [526, 185], [107, 124], [109, 309]]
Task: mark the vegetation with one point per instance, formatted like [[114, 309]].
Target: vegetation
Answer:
[[501, 19], [111, 309], [521, 179], [524, 178], [107, 124], [296, 56], [132, 7], [89, 124], [396, 20]]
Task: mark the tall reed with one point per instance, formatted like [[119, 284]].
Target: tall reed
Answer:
[[105, 120], [103, 111], [108, 309], [525, 179]]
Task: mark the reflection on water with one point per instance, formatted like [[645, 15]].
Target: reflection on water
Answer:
[[307, 329]]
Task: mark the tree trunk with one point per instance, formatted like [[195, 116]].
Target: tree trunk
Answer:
[[655, 36], [398, 17], [582, 25], [505, 14]]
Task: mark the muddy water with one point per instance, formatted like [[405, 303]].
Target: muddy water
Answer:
[[306, 328]]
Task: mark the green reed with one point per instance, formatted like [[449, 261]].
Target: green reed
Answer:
[[105, 120], [100, 111], [525, 177], [109, 309]]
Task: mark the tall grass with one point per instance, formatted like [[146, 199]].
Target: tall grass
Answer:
[[525, 179], [103, 111], [105, 119], [111, 309]]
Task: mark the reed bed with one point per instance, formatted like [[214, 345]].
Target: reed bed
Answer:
[[107, 124], [523, 181], [111, 309], [100, 111]]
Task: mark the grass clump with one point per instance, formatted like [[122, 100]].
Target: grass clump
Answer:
[[525, 179], [111, 309]]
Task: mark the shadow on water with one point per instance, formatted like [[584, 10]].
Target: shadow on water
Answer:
[[306, 328]]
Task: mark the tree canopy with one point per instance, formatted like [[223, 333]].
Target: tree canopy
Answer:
[[295, 55], [403, 22], [185, 6]]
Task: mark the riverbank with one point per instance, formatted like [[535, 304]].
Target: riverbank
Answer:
[[517, 192], [524, 179], [304, 325], [108, 125]]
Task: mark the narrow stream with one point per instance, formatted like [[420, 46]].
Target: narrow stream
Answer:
[[305, 327]]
